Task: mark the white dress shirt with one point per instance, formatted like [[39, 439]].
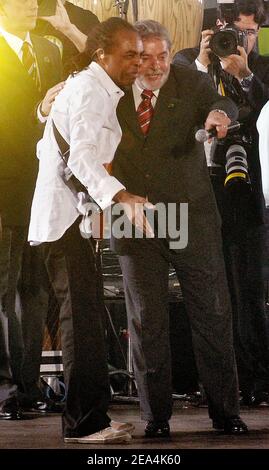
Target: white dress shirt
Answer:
[[263, 128], [84, 112]]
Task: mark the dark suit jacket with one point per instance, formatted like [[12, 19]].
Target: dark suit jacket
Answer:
[[19, 128], [256, 97], [168, 165]]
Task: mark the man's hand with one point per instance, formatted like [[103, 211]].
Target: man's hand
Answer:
[[134, 208], [219, 121], [237, 65], [205, 50], [46, 104], [60, 20]]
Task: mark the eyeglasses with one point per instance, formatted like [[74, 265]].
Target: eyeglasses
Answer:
[[251, 32]]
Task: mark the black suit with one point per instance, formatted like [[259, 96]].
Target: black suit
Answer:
[[243, 234], [21, 315], [168, 166]]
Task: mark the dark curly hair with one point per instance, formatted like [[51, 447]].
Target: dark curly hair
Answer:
[[102, 36]]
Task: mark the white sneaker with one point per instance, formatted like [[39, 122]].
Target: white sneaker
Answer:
[[106, 436], [118, 426]]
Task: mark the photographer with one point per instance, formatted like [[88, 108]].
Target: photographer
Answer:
[[241, 74]]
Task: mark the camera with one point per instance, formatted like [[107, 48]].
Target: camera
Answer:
[[224, 41]]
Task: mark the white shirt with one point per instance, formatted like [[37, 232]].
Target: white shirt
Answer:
[[84, 112], [263, 128]]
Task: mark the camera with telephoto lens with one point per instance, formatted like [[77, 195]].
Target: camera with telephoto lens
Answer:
[[236, 165], [224, 41], [232, 153]]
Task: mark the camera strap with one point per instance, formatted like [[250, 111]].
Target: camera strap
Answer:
[[91, 223]]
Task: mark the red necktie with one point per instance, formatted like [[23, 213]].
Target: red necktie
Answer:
[[145, 111]]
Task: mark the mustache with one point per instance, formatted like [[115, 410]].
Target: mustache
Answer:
[[155, 73]]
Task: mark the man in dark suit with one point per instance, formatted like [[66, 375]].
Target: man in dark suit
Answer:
[[29, 67], [158, 159], [244, 77]]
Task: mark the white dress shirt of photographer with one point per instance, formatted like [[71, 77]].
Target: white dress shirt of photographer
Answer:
[[84, 113], [263, 128]]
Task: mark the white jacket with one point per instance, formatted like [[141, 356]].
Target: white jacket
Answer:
[[84, 112], [263, 128]]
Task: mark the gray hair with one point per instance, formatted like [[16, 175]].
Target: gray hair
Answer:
[[151, 28]]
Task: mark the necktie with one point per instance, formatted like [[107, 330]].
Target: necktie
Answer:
[[29, 62], [145, 111]]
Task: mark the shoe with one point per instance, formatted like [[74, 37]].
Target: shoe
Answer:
[[126, 427], [157, 429], [46, 406], [10, 410], [106, 436], [231, 425]]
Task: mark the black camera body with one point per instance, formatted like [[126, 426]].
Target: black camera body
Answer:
[[224, 41]]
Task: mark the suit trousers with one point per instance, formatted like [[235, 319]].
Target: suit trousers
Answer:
[[201, 273], [23, 310], [71, 265]]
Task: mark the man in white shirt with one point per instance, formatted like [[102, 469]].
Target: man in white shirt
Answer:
[[84, 114], [29, 66]]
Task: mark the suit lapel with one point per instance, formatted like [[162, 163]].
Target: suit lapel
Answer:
[[169, 105], [127, 112], [11, 66], [167, 108], [43, 62]]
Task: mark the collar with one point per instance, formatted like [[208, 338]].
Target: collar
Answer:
[[14, 41], [137, 90], [105, 79]]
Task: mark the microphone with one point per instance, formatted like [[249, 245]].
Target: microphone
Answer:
[[202, 135]]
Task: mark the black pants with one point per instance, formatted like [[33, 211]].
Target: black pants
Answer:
[[72, 271], [23, 311], [244, 248], [201, 272]]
